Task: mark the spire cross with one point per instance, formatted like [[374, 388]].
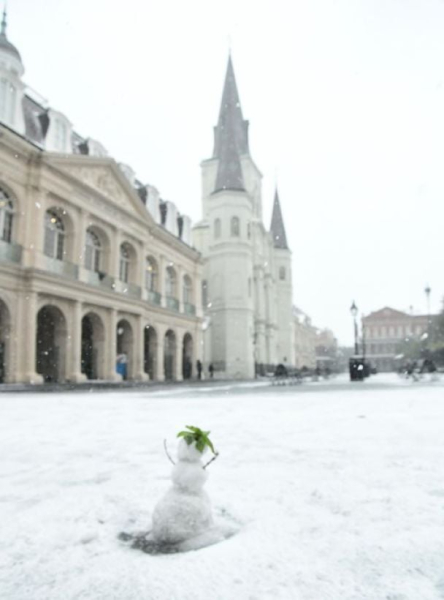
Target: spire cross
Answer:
[[3, 29]]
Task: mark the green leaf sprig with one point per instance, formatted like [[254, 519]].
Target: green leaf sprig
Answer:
[[198, 436]]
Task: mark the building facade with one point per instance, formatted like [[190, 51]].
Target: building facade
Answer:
[[385, 333], [98, 278], [246, 267], [305, 340]]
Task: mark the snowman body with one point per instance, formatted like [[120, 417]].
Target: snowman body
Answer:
[[185, 510]]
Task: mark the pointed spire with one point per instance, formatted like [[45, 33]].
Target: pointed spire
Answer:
[[4, 23], [230, 136], [277, 228]]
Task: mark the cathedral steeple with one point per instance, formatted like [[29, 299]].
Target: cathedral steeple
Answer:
[[230, 136], [277, 228], [5, 44]]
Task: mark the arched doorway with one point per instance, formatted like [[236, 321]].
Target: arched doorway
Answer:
[[5, 328], [93, 342], [187, 356], [150, 352], [170, 355], [124, 349], [51, 344]]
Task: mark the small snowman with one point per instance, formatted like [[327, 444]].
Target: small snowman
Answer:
[[184, 512]]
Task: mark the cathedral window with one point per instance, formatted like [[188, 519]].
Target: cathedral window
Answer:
[[125, 261], [150, 275], [7, 101], [204, 293], [282, 274], [93, 251], [217, 228], [54, 235], [235, 227], [187, 290], [170, 282], [6, 216]]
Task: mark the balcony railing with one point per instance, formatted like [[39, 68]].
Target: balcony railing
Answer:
[[100, 279], [62, 267], [133, 290], [172, 303], [10, 252], [153, 297], [189, 309]]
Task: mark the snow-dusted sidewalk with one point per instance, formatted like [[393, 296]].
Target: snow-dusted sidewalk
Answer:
[[339, 493]]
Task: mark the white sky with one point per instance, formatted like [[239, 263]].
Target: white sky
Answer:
[[345, 100]]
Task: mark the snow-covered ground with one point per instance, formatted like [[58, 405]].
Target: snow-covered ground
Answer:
[[338, 490]]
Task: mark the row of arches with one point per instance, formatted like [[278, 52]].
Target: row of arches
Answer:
[[97, 256], [52, 348]]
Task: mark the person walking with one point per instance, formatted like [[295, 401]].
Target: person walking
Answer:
[[199, 369], [211, 370]]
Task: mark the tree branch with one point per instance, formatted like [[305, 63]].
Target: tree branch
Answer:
[[216, 454], [167, 453]]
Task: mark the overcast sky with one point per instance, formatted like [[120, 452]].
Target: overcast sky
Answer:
[[345, 100]]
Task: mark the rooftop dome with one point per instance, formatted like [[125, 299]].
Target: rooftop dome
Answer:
[[5, 44]]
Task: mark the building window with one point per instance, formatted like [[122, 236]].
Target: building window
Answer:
[[6, 216], [150, 275], [249, 231], [282, 273], [54, 235], [235, 227], [217, 228], [93, 251], [187, 290], [125, 260], [170, 283]]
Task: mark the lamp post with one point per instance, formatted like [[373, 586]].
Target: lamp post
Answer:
[[354, 312], [427, 291]]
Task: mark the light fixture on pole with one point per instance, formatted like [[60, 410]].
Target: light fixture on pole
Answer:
[[354, 312]]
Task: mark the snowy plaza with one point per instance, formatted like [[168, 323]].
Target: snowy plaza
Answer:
[[337, 491]]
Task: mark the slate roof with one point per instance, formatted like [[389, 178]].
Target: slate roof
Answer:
[[230, 136], [277, 228]]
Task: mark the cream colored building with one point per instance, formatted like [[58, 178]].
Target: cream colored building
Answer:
[[247, 268], [97, 273]]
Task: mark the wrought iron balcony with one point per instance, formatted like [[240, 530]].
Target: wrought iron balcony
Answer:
[[172, 303], [154, 297], [189, 309], [62, 267], [10, 252]]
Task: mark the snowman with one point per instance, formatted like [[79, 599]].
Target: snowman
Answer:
[[184, 513]]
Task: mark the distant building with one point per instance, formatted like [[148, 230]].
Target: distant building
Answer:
[[305, 337], [386, 331], [326, 350], [98, 278], [247, 274]]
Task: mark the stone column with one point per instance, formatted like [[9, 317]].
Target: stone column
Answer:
[[178, 374], [75, 345], [180, 288], [28, 337], [162, 275], [160, 374], [139, 350]]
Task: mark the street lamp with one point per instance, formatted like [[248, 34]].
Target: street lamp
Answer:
[[354, 312], [427, 291]]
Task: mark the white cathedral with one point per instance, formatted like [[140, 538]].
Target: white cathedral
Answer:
[[247, 281]]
